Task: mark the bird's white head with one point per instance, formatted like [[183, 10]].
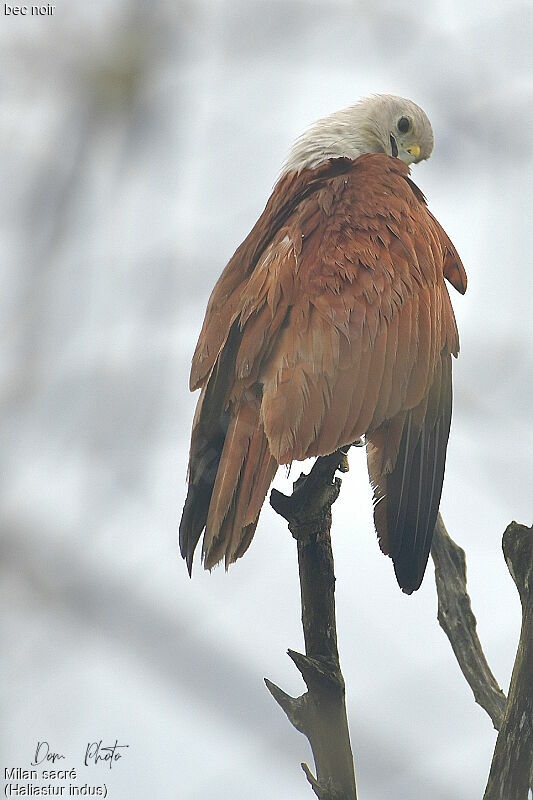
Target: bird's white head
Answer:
[[382, 123]]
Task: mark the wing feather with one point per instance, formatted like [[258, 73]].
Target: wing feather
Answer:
[[384, 397], [417, 493], [331, 321], [378, 357]]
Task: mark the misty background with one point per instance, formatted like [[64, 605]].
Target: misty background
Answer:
[[139, 143]]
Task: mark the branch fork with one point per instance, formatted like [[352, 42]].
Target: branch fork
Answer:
[[511, 772], [320, 713]]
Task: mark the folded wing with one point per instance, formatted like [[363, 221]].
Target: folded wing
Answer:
[[332, 321]]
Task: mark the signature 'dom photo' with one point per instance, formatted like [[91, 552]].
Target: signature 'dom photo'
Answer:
[[267, 381]]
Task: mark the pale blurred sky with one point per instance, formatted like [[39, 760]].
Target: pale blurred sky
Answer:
[[139, 143]]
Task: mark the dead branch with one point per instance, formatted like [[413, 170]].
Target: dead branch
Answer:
[[511, 770], [320, 713], [459, 623]]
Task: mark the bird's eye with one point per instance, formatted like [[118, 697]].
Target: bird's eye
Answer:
[[403, 124]]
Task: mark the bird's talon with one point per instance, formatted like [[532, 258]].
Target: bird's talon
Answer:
[[344, 465]]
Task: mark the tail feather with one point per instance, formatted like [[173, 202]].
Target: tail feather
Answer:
[[228, 483], [236, 446], [211, 422], [206, 451], [247, 475], [210, 426]]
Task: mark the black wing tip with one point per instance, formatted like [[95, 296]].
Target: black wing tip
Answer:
[[187, 540], [188, 561], [410, 563], [186, 553], [407, 581], [410, 566]]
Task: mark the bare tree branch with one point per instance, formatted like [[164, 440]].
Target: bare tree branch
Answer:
[[459, 623], [320, 713], [511, 771]]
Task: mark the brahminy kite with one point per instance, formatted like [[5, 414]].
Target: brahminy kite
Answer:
[[331, 322]]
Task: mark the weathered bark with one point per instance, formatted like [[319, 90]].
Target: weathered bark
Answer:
[[320, 713], [459, 623], [511, 771]]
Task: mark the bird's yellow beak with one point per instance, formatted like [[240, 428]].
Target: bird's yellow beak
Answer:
[[414, 150]]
